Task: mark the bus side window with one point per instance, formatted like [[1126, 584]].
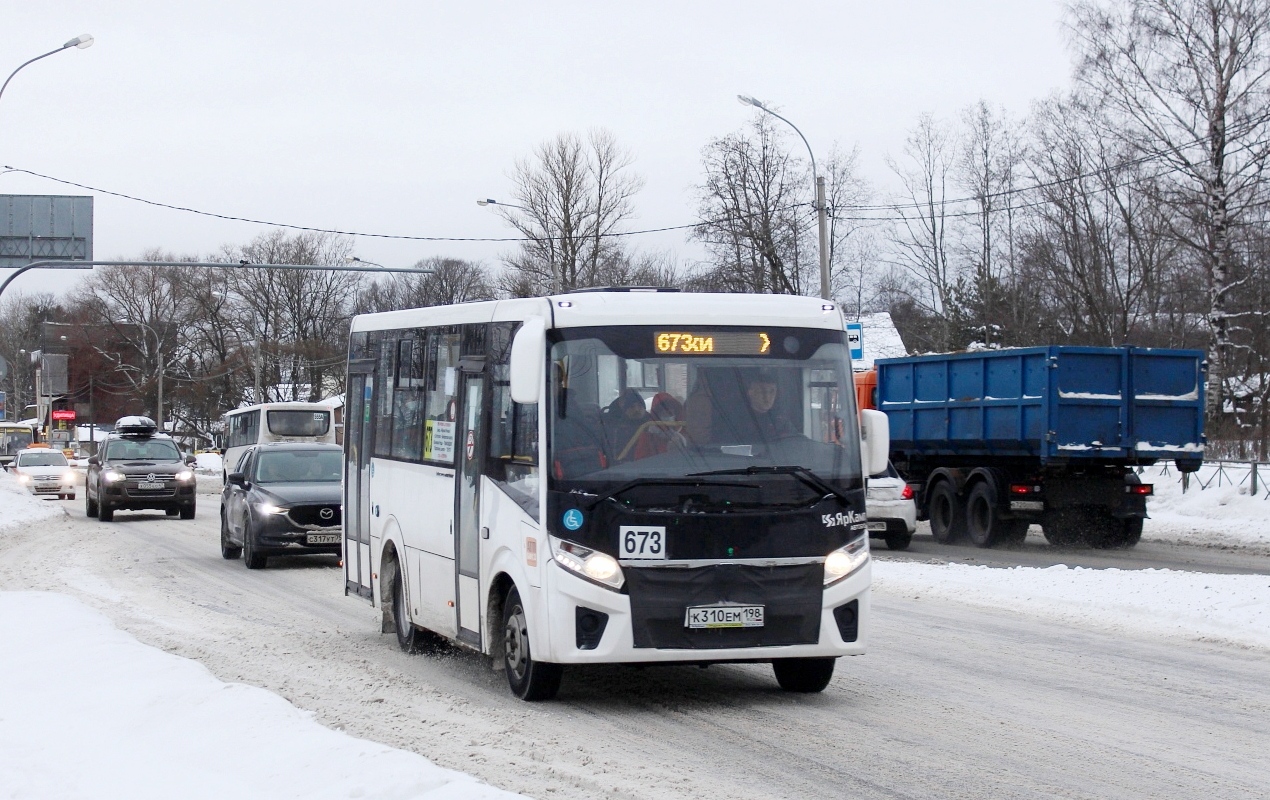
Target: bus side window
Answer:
[[441, 387], [407, 422], [513, 436], [384, 382]]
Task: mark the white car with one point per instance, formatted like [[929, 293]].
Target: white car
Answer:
[[891, 510], [45, 471]]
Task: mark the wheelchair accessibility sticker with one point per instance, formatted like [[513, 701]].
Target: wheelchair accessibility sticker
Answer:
[[573, 519]]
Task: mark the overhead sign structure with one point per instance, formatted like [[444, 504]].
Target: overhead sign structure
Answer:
[[40, 227], [855, 339]]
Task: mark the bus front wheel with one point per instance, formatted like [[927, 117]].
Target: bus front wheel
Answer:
[[528, 679], [804, 675]]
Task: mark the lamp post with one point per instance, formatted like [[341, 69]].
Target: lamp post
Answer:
[[79, 42], [822, 218], [551, 242]]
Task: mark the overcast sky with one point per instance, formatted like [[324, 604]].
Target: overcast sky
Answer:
[[394, 117]]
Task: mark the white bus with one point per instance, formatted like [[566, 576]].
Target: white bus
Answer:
[[14, 436], [274, 422], [616, 476]]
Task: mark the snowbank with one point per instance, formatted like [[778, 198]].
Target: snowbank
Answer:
[[166, 727], [1193, 605], [19, 508], [209, 462], [1225, 515]]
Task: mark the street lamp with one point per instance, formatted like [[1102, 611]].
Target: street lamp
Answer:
[[80, 42], [821, 213], [551, 242]]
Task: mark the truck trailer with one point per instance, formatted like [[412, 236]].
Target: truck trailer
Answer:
[[994, 441]]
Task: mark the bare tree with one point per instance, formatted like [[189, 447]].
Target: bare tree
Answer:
[[1190, 82], [452, 280], [920, 237], [575, 195]]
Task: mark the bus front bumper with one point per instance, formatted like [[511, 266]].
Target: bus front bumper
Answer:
[[578, 607]]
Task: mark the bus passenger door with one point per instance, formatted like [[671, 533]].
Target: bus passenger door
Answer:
[[467, 503], [358, 431]]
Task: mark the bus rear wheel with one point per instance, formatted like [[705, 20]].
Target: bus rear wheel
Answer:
[[528, 679], [805, 675], [408, 636]]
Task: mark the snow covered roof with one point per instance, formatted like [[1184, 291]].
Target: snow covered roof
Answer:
[[880, 339]]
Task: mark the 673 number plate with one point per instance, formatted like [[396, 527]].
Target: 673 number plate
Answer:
[[724, 617]]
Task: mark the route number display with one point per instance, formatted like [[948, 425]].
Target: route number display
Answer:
[[719, 343], [642, 543]]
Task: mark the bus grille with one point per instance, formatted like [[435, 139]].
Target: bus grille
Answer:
[[790, 595]]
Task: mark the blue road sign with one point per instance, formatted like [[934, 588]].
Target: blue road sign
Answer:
[[855, 338]]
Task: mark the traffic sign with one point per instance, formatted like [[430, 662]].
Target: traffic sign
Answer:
[[63, 415], [855, 338]]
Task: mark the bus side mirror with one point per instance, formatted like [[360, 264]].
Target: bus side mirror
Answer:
[[875, 441], [528, 361]]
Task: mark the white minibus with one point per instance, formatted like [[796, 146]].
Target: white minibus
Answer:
[[612, 476], [274, 422]]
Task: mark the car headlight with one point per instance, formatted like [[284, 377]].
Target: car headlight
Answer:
[[270, 508], [112, 476], [24, 478], [185, 475], [598, 567], [846, 559], [68, 476]]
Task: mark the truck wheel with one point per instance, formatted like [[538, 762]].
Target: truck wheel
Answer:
[[1132, 532], [528, 679], [804, 675], [1063, 528], [947, 514], [982, 524], [1012, 531], [898, 541]]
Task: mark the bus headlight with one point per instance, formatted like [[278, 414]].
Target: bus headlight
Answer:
[[598, 567], [111, 476], [185, 475], [846, 559]]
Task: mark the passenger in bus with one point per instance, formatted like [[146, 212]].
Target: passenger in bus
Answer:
[[664, 429], [624, 419], [698, 412], [763, 422], [578, 448]]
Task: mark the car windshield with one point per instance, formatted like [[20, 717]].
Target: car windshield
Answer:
[[142, 450], [764, 412], [299, 423], [49, 459], [300, 466]]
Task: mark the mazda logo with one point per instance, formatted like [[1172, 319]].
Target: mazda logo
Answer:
[[326, 513], [150, 477]]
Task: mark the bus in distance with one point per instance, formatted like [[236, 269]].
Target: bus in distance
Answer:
[[616, 476]]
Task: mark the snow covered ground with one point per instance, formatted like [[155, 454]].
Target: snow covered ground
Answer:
[[167, 727], [1221, 516], [171, 728]]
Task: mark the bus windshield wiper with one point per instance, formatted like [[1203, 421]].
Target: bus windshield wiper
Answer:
[[687, 480], [802, 474]]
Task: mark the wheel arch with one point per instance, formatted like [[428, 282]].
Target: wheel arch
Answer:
[[391, 562]]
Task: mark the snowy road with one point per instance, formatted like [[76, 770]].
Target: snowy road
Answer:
[[952, 701]]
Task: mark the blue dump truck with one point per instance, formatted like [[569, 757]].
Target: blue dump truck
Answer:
[[994, 441]]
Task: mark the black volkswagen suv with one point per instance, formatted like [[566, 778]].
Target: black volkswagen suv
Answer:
[[139, 468]]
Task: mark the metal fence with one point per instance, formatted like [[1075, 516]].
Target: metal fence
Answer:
[[1255, 475]]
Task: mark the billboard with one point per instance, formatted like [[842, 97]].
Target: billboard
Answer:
[[45, 228]]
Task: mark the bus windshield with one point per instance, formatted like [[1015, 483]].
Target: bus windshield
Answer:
[[298, 423], [14, 438], [762, 414]]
